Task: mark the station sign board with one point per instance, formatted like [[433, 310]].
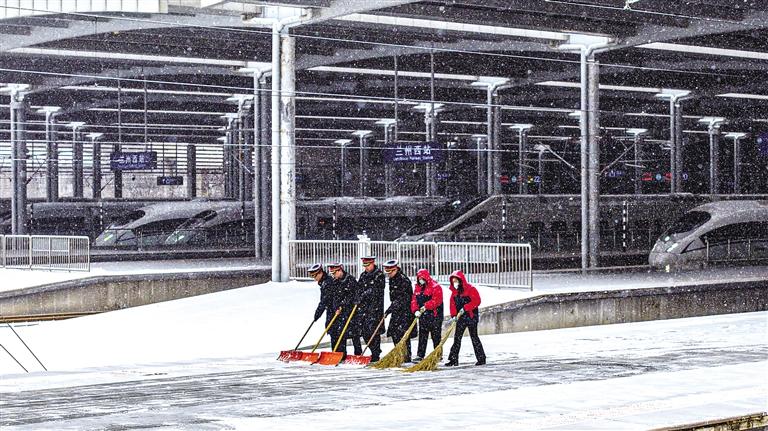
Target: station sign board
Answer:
[[122, 161], [425, 152], [175, 180]]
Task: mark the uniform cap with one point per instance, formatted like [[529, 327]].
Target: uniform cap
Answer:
[[391, 263], [314, 269], [368, 259], [335, 266]]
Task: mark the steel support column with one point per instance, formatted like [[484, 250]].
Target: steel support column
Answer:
[[714, 157], [638, 177], [522, 178], [275, 153], [52, 156], [737, 162], [430, 121], [266, 172], [77, 164], [584, 159], [191, 171], [363, 174], [287, 151], [489, 143], [256, 183], [594, 161], [96, 164], [388, 171], [18, 108], [679, 146]]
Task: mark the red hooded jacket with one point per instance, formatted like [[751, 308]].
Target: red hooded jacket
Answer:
[[431, 289], [469, 291]]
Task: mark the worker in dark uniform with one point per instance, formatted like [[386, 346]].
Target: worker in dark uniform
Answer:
[[347, 293], [330, 303], [465, 297], [371, 308], [400, 293], [428, 298]]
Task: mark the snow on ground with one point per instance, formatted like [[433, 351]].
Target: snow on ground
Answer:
[[208, 362]]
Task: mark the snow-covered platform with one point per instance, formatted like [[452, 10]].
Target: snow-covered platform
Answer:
[[208, 362], [22, 278]]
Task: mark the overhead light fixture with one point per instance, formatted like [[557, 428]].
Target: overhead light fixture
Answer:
[[428, 107], [94, 135], [521, 127], [75, 125], [453, 26], [489, 82], [342, 142], [744, 96], [565, 84], [362, 133], [158, 111], [705, 50], [713, 122], [735, 135], [48, 109], [637, 132], [400, 73], [107, 55], [13, 88], [386, 122]]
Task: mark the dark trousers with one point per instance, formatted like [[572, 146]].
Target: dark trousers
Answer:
[[396, 337], [429, 327], [375, 345], [335, 338], [463, 324]]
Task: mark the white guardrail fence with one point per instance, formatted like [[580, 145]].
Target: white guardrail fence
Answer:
[[55, 253], [496, 265]]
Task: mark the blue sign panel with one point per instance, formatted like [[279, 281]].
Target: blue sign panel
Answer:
[[426, 152], [119, 161], [170, 181], [762, 144]]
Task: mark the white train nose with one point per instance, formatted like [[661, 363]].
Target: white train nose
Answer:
[[661, 260]]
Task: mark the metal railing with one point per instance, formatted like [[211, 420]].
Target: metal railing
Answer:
[[489, 264], [64, 253]]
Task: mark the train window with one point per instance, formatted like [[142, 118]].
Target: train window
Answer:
[[728, 232], [688, 222], [128, 218]]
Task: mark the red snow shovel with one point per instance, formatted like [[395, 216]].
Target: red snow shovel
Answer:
[[312, 356], [295, 354], [334, 357], [362, 359]]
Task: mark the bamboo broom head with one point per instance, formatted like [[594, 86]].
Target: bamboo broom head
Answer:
[[396, 357], [429, 363]]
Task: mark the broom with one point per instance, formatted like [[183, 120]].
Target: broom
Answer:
[[396, 357], [433, 359]]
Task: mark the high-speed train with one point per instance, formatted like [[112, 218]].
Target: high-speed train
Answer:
[[723, 231], [195, 223]]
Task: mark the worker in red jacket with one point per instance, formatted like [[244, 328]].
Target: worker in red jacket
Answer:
[[428, 300], [465, 297]]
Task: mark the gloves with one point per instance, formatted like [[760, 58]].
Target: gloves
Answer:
[[417, 314], [338, 311], [422, 309]]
